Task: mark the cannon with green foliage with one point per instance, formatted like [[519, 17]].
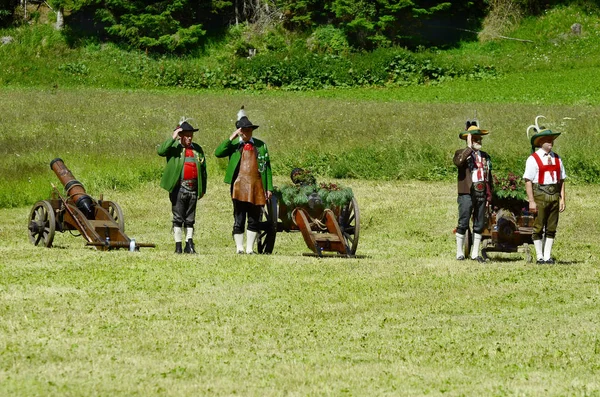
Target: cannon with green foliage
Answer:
[[327, 215]]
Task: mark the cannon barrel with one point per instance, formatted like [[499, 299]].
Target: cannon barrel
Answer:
[[74, 189]]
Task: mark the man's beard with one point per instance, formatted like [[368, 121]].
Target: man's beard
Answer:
[[477, 146]]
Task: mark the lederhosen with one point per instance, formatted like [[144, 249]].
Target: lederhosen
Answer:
[[247, 192], [184, 196], [547, 199], [474, 203]]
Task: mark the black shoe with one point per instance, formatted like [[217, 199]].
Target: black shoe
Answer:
[[479, 259], [178, 248], [540, 262], [240, 252], [461, 258], [550, 261], [189, 247]]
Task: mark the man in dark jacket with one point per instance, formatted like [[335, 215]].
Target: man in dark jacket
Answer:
[[249, 173], [474, 188], [185, 180]]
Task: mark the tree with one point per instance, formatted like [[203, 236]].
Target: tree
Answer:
[[7, 11]]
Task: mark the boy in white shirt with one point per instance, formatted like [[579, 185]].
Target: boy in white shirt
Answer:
[[544, 182]]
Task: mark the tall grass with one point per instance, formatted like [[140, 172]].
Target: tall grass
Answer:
[[108, 138]]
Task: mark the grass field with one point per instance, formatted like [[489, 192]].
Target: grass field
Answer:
[[407, 319]]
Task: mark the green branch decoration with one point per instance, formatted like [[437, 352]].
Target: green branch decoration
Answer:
[[298, 193]]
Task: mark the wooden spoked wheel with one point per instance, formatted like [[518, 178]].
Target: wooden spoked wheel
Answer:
[[42, 224], [468, 244], [114, 210], [268, 227], [349, 221]]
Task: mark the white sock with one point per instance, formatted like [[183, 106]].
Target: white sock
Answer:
[[189, 233], [460, 241], [476, 243], [177, 234], [539, 251], [548, 248], [239, 242], [250, 238]]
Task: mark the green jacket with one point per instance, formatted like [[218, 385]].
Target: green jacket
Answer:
[[175, 154], [230, 148]]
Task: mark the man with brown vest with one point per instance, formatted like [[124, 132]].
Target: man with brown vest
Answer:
[[474, 188], [249, 173]]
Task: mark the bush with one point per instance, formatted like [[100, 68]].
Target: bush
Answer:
[[328, 40]]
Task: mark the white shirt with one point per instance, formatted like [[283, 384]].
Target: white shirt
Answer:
[[478, 174], [532, 171]]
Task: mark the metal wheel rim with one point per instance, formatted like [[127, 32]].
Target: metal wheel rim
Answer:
[[350, 225], [468, 244], [42, 213], [268, 230]]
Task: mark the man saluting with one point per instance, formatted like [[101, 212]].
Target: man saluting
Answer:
[[474, 188], [249, 173]]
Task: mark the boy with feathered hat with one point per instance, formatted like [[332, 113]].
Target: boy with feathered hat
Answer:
[[185, 180], [250, 176], [474, 188], [545, 185]]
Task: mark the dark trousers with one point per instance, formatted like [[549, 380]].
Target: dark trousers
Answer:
[[547, 216], [243, 209], [470, 204], [183, 206]]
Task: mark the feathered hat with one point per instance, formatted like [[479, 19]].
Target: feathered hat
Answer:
[[472, 127], [539, 132], [185, 126], [242, 120]]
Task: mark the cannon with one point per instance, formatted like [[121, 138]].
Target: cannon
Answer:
[[324, 228], [509, 228], [99, 222]]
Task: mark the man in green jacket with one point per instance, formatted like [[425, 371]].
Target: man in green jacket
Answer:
[[249, 173], [185, 180]]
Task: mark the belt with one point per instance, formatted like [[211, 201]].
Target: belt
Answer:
[[190, 184], [479, 186], [548, 189]]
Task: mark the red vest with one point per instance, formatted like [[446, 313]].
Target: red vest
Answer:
[[543, 168], [190, 171]]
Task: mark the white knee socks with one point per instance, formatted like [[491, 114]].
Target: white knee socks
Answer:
[[250, 239], [177, 234], [460, 241]]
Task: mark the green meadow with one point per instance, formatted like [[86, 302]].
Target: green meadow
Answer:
[[404, 318]]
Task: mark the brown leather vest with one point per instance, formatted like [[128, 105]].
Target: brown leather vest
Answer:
[[248, 184]]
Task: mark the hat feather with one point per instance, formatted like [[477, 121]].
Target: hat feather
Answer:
[[241, 113]]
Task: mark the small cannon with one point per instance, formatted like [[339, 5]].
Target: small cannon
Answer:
[[509, 228], [334, 229], [100, 222]]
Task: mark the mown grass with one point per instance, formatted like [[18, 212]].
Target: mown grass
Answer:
[[406, 319]]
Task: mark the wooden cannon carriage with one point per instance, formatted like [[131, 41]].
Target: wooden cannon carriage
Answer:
[[509, 228], [325, 228], [100, 222]]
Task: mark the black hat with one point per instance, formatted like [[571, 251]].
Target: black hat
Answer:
[[242, 120], [185, 126]]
